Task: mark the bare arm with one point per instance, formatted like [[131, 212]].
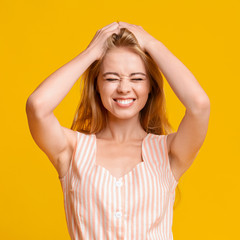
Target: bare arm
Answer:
[[183, 145], [47, 96], [56, 141], [181, 80], [186, 142]]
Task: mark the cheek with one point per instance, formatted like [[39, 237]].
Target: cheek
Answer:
[[108, 89], [106, 93], [142, 90]]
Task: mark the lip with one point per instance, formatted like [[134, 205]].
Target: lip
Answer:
[[124, 105], [123, 99]]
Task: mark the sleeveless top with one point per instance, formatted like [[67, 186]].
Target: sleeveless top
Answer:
[[136, 206]]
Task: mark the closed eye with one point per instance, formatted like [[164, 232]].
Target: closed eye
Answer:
[[111, 79]]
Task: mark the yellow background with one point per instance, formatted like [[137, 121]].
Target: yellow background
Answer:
[[38, 37]]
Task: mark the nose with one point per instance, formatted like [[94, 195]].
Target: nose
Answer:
[[124, 86]]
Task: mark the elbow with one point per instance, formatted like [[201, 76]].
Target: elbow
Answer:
[[201, 105], [32, 106], [29, 105]]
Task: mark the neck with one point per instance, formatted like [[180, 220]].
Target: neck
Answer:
[[122, 130]]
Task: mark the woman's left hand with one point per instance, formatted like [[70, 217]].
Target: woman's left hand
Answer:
[[142, 36]]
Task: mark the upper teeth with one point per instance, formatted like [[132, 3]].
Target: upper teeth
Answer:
[[124, 101]]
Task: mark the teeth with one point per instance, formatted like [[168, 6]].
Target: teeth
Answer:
[[124, 101]]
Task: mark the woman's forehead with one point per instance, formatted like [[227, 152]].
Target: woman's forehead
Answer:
[[130, 75], [123, 62]]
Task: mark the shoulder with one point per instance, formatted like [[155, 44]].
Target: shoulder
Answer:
[[170, 137], [73, 136], [164, 139], [65, 157]]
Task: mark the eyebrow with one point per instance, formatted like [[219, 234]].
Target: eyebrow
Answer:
[[114, 73]]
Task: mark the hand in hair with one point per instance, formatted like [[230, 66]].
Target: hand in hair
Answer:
[[142, 36], [98, 41]]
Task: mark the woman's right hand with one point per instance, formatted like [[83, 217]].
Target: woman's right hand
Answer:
[[98, 41]]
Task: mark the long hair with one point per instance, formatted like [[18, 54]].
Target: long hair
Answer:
[[91, 115]]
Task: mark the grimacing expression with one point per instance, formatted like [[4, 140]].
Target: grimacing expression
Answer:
[[122, 83]]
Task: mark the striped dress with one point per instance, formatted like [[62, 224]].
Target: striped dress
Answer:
[[136, 206]]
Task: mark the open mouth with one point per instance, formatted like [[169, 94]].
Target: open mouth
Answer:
[[125, 101]]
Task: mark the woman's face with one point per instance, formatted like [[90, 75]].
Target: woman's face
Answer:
[[123, 84]]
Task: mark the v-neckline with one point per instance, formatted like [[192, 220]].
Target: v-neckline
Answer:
[[106, 170]]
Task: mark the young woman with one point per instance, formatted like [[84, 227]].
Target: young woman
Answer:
[[119, 164]]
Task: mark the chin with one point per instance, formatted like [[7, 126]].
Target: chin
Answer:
[[124, 116]]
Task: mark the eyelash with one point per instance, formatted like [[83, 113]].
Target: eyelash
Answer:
[[111, 79]]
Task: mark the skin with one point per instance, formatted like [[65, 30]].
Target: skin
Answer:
[[123, 123], [123, 126], [123, 135]]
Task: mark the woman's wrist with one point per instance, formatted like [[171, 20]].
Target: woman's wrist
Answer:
[[152, 44], [90, 53]]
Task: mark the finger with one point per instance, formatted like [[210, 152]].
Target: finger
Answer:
[[122, 24], [111, 29], [109, 25], [130, 27], [125, 24]]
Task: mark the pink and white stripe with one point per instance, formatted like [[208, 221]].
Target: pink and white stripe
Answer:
[[137, 206]]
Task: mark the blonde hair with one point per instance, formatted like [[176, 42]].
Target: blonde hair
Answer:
[[91, 115]]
